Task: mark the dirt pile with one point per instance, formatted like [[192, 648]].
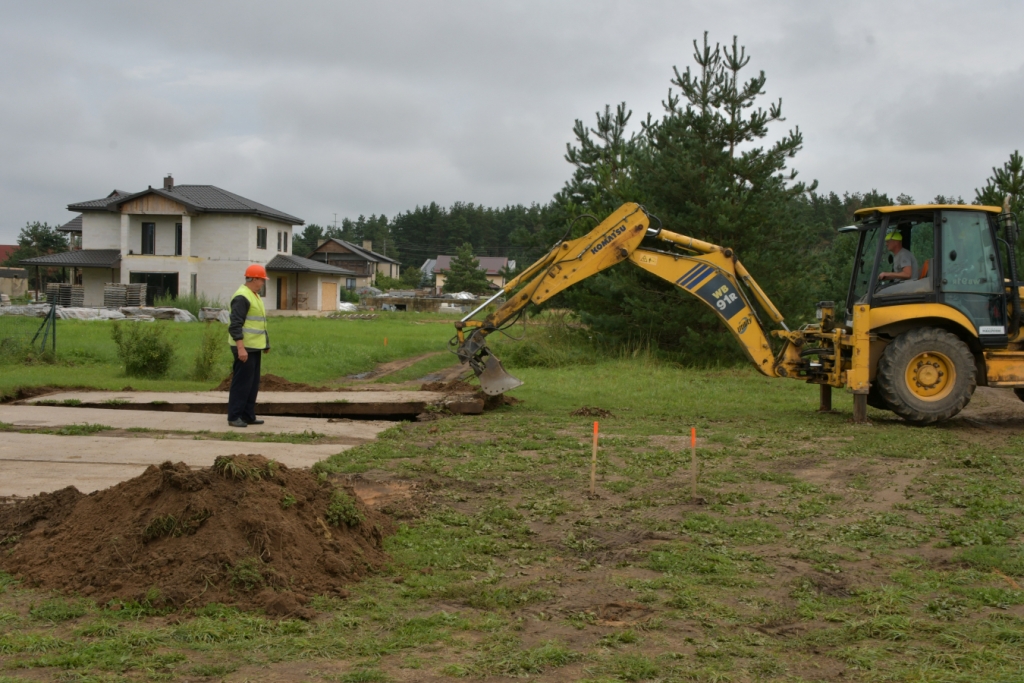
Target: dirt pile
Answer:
[[590, 411], [460, 387], [456, 386], [274, 383], [248, 532]]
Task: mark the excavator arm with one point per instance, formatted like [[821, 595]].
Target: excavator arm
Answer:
[[709, 272]]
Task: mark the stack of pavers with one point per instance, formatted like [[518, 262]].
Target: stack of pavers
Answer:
[[137, 294], [65, 295], [115, 295]]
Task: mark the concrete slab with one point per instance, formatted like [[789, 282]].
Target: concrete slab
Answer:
[[352, 431], [317, 403], [32, 463]]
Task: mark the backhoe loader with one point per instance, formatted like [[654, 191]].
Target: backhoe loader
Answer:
[[917, 346]]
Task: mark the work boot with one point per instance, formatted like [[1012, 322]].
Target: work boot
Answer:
[[257, 421], [237, 423]]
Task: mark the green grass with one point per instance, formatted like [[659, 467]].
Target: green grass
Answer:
[[310, 350], [823, 550]]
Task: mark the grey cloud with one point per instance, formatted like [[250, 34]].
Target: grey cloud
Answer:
[[319, 107]]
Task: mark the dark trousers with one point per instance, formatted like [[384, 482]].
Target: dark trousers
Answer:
[[245, 384]]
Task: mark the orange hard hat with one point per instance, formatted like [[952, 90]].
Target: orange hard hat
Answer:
[[256, 270]]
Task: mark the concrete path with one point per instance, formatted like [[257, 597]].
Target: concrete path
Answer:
[[404, 404], [352, 431], [218, 397], [32, 463]]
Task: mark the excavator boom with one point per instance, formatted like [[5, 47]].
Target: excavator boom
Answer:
[[709, 272]]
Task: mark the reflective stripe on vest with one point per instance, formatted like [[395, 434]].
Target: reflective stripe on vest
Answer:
[[254, 329]]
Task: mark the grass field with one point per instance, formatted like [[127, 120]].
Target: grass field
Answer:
[[311, 350], [820, 550]]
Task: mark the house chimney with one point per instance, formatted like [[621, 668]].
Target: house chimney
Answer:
[[321, 242], [368, 245], [169, 182]]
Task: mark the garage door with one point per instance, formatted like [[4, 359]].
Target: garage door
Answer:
[[329, 297]]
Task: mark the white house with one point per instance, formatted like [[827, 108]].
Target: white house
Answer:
[[193, 239]]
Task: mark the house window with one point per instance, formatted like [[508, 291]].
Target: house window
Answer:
[[261, 238], [177, 239], [149, 238], [279, 240], [195, 290], [350, 283], [285, 242]]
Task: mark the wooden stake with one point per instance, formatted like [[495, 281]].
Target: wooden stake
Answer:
[[693, 462], [385, 341], [593, 465]]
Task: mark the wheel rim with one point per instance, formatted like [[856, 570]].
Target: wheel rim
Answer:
[[931, 376]]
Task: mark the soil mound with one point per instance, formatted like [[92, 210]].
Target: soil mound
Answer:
[[456, 386], [248, 532], [460, 387], [274, 383], [590, 411]]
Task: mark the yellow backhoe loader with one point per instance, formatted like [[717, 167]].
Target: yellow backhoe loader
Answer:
[[916, 342]]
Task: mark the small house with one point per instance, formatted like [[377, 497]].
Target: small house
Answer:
[[363, 261]]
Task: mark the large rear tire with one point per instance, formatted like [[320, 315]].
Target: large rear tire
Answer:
[[926, 375], [875, 399]]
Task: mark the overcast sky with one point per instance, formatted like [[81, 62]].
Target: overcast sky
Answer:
[[324, 107]]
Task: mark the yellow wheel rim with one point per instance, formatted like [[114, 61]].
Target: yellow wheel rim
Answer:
[[931, 376]]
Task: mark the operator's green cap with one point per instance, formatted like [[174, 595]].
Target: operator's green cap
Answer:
[[894, 235]]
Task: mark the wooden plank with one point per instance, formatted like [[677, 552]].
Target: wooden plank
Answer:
[[153, 204]]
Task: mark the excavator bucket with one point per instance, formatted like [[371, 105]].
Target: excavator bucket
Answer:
[[494, 380]]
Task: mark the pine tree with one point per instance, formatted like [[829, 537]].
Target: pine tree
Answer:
[[705, 169], [465, 274], [1006, 181]]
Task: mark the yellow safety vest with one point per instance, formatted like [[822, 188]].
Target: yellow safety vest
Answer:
[[254, 329]]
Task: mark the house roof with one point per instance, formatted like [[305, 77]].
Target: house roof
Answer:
[[492, 265], [82, 258], [196, 198], [94, 204], [6, 250], [73, 225], [359, 251], [296, 264]]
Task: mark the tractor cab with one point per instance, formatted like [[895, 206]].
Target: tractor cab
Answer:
[[956, 259]]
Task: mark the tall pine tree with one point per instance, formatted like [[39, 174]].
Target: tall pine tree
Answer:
[[465, 274]]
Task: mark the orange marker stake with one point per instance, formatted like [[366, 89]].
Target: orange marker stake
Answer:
[[385, 341], [593, 465], [693, 462]]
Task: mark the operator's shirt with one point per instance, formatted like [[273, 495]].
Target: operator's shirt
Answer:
[[903, 259]]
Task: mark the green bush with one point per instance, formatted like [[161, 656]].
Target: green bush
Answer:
[[210, 349], [343, 510], [143, 348], [551, 344]]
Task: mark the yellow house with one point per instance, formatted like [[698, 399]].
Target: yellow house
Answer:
[[494, 266]]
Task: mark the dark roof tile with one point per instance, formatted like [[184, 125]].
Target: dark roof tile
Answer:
[[296, 264], [198, 198], [82, 258], [73, 225]]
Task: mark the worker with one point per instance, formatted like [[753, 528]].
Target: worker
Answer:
[[904, 264], [248, 337]]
